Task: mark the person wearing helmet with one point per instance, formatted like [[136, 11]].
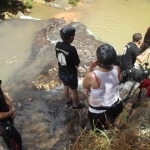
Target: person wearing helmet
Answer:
[[68, 62], [130, 55], [8, 132], [103, 85]]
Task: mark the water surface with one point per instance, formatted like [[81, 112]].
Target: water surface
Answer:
[[113, 21]]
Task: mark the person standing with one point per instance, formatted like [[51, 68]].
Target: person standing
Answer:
[[146, 41], [103, 86], [8, 132], [68, 62], [130, 55]]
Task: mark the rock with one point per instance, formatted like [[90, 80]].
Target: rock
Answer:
[[63, 4], [43, 120]]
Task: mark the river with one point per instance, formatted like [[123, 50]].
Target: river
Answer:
[[113, 21]]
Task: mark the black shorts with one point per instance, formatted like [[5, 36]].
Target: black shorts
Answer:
[[100, 120], [70, 80]]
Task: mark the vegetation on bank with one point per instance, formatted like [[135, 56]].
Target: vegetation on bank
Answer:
[[29, 3], [74, 2], [125, 137], [11, 7]]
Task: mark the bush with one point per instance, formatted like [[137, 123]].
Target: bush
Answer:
[[92, 140], [29, 3], [74, 2]]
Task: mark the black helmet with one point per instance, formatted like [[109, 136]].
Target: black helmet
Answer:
[[67, 32], [106, 55]]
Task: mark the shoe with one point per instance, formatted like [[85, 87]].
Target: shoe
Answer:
[[69, 103], [80, 106]]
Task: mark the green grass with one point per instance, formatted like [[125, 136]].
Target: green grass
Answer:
[[92, 140]]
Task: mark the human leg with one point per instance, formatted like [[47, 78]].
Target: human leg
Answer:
[[114, 111], [74, 95], [11, 136], [15, 139], [71, 81], [66, 93], [66, 88], [73, 84], [97, 120]]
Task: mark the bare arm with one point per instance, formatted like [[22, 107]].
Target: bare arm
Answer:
[[4, 115], [87, 81], [93, 64], [11, 106], [142, 58], [89, 76]]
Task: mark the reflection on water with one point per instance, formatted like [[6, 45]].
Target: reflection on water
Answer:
[[113, 21]]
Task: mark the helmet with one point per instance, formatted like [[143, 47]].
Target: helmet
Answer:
[[67, 32], [106, 55]]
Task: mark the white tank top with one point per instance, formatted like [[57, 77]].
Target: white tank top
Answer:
[[108, 93]]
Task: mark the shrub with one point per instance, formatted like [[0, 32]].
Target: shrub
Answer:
[[74, 2], [29, 3]]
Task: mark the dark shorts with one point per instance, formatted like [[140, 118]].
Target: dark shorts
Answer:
[[100, 120], [70, 80]]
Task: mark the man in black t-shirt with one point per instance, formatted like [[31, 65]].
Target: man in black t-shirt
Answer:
[[8, 132], [130, 55], [68, 62]]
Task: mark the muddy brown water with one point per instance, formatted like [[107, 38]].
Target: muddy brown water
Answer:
[[113, 21]]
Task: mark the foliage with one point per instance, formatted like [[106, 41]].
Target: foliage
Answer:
[[127, 138], [12, 6], [94, 140], [29, 3], [74, 2]]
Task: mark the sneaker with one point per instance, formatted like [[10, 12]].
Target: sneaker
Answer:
[[80, 106], [69, 103]]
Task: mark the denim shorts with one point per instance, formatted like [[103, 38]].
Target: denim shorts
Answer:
[[70, 80]]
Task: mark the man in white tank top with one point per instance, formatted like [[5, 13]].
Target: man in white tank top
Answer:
[[103, 85]]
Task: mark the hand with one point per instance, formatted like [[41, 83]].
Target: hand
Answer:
[[87, 92], [94, 63], [148, 51], [14, 112]]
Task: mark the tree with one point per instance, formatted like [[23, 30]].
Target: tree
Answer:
[[12, 6]]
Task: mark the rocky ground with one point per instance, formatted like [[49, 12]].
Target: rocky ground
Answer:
[[43, 120], [63, 4]]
